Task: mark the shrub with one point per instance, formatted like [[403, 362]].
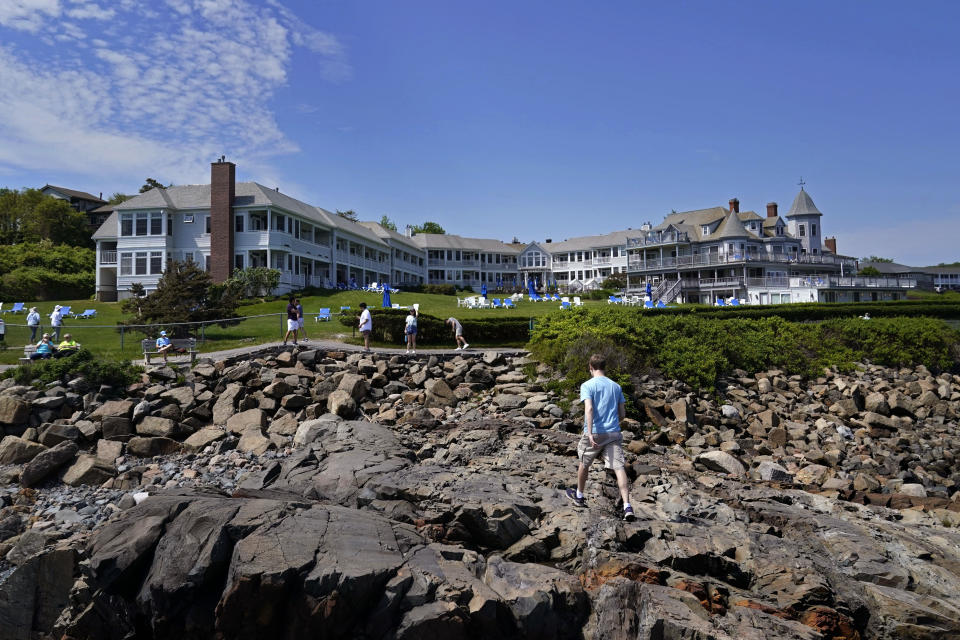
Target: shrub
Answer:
[[698, 349], [96, 371], [43, 271]]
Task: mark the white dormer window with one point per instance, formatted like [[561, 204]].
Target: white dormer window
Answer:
[[705, 230]]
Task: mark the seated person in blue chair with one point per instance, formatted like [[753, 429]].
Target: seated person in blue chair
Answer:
[[45, 349]]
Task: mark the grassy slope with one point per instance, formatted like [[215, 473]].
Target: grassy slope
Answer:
[[97, 335]]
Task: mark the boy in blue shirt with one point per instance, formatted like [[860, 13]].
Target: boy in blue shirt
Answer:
[[603, 409]]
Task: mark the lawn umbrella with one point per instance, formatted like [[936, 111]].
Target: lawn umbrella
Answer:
[[533, 292], [483, 289], [649, 290], [386, 297]]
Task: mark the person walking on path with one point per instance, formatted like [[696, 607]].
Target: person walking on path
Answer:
[[604, 408], [411, 331], [293, 322], [366, 326], [56, 321], [33, 321], [300, 328], [458, 333]]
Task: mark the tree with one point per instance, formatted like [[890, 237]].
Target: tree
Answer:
[[153, 184], [184, 293], [31, 216], [876, 259], [870, 271], [428, 227], [615, 282], [255, 281], [118, 197], [349, 214], [387, 223]]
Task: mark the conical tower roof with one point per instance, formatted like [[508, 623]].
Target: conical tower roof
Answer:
[[803, 205], [731, 227]]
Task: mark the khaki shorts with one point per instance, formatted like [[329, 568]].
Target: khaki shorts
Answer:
[[609, 448]]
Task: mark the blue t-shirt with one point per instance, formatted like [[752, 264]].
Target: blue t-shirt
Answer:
[[606, 396], [162, 341]]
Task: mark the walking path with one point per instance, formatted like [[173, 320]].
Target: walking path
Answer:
[[330, 345]]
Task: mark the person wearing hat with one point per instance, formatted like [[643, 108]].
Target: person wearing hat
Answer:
[[45, 349], [56, 321], [164, 346], [33, 321], [68, 347]]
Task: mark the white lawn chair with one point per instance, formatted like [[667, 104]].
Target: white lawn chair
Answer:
[[484, 303], [565, 299], [576, 301]]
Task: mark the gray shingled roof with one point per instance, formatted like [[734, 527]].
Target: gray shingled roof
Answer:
[[344, 224], [803, 205], [731, 227], [692, 222], [73, 193], [451, 241], [389, 234], [612, 239], [108, 230]]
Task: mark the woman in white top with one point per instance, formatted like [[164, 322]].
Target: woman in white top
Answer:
[[33, 321], [411, 331], [56, 321]]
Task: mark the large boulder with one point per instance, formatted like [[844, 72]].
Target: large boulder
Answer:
[[340, 403], [156, 426], [721, 461], [246, 420], [14, 450], [439, 394], [354, 385], [47, 462], [13, 411], [113, 408], [88, 470], [147, 447], [226, 403]]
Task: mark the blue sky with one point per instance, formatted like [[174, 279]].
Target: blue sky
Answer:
[[500, 119]]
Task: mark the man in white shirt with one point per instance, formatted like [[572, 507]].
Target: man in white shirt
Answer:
[[366, 325], [56, 321]]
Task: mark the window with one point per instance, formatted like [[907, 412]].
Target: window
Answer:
[[803, 231], [206, 263], [290, 226], [156, 262], [258, 221], [239, 225], [279, 222], [156, 224], [141, 224], [188, 218], [296, 229], [705, 230], [126, 264], [206, 223], [140, 263], [169, 225], [289, 262], [813, 229], [126, 224]]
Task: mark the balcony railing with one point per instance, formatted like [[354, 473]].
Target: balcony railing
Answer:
[[636, 263], [802, 282], [602, 261], [108, 257], [658, 238]]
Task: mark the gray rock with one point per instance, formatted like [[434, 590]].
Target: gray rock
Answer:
[[508, 401], [13, 412], [147, 447], [721, 461], [226, 403], [14, 450], [88, 470], [158, 427], [438, 394], [47, 462], [206, 436], [340, 403], [773, 472], [729, 411], [246, 420]]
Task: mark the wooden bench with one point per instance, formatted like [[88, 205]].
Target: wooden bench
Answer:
[[188, 344], [28, 351]]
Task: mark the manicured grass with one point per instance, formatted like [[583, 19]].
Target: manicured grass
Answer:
[[99, 336]]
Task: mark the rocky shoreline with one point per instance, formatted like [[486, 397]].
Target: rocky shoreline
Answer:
[[375, 496]]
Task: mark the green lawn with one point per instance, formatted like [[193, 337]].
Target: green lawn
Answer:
[[99, 334]]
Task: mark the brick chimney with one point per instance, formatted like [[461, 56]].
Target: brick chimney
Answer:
[[772, 210], [734, 205], [222, 190], [831, 244]]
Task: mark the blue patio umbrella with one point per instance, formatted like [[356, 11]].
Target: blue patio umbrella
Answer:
[[533, 291], [649, 289], [483, 289], [386, 297]]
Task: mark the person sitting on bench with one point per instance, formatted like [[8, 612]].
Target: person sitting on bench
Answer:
[[69, 346], [164, 345], [45, 349]]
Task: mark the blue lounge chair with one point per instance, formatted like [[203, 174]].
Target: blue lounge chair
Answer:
[[720, 302], [564, 305], [508, 304], [660, 304], [323, 315], [89, 313], [648, 304], [735, 302], [65, 311], [16, 308], [496, 303], [612, 300], [342, 309]]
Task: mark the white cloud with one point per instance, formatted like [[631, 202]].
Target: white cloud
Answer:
[[149, 97], [28, 15]]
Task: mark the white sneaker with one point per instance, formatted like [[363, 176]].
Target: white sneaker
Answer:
[[458, 348], [408, 350], [466, 346]]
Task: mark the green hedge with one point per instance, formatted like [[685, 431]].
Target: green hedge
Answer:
[[389, 326], [97, 371], [808, 311], [699, 349], [42, 271]]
